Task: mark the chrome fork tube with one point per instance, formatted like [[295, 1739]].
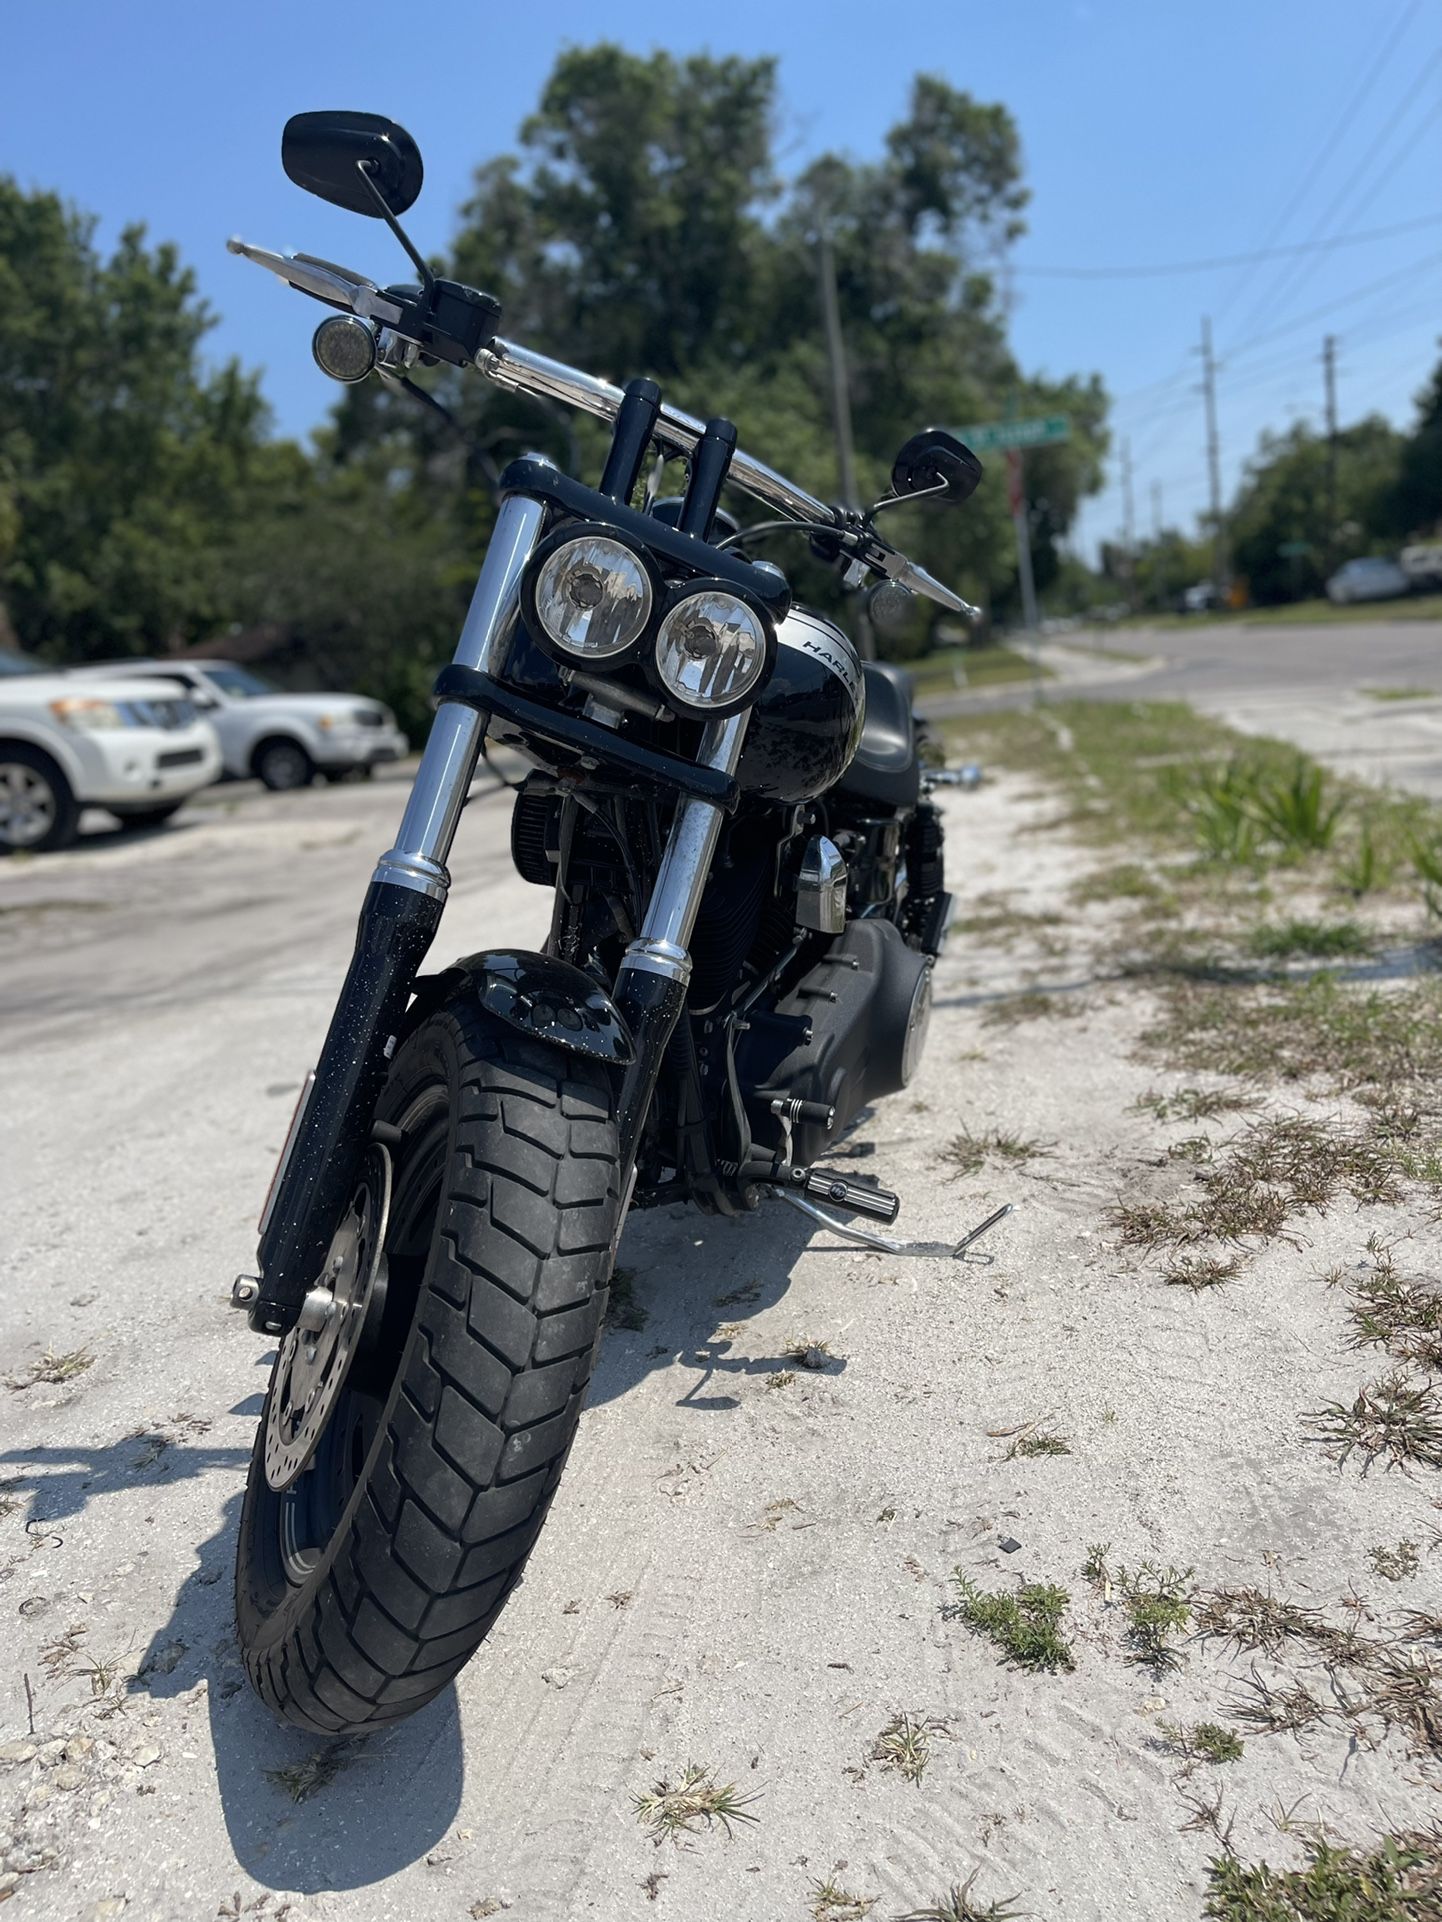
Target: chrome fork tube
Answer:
[[664, 944], [428, 826], [656, 967]]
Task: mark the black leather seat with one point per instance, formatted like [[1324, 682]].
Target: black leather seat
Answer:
[[885, 768]]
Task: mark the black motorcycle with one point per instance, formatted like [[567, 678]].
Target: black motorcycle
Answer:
[[730, 814]]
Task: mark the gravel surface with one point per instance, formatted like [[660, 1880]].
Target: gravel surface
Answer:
[[745, 1571]]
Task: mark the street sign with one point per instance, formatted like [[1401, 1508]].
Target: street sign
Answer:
[[993, 434]]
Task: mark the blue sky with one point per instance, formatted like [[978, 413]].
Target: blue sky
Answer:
[[1152, 134]]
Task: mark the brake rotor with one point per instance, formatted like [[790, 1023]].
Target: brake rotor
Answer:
[[316, 1355]]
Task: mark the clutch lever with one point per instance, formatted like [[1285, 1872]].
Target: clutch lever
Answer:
[[322, 280]]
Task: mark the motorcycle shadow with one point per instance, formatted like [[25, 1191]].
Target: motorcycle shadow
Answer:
[[682, 1278], [303, 1814], [300, 1813]]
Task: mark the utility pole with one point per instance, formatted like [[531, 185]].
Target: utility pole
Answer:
[[1156, 510], [1128, 535], [1329, 372], [1214, 468], [841, 408]]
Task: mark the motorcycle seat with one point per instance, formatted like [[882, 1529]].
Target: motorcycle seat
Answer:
[[885, 768]]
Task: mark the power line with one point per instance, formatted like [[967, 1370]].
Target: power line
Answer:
[[1343, 118], [1283, 284], [1229, 260], [1342, 300]]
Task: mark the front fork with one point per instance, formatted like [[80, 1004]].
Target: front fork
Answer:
[[321, 1160]]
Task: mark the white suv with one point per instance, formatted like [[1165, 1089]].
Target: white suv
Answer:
[[67, 742], [283, 739]]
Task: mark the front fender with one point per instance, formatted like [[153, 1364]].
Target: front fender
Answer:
[[547, 999]]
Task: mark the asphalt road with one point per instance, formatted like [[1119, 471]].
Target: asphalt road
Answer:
[[1313, 686]]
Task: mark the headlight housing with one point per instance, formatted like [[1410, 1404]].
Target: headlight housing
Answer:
[[590, 596], [713, 650], [88, 716]]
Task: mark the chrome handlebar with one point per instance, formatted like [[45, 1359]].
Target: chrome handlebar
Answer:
[[521, 371]]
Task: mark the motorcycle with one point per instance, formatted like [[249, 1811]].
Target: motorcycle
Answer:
[[730, 813]]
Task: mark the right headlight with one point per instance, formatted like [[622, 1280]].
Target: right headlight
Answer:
[[712, 650], [592, 597]]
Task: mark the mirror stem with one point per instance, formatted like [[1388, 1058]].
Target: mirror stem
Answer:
[[428, 279]]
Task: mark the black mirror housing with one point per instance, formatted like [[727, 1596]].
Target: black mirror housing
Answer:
[[933, 460], [326, 152]]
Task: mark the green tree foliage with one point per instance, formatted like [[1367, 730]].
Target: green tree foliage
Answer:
[[1416, 505], [643, 229], [122, 462], [1283, 501]]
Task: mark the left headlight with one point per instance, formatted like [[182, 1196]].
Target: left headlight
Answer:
[[712, 650], [592, 597], [90, 716]]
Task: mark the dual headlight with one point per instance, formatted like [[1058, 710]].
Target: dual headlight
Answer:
[[594, 599]]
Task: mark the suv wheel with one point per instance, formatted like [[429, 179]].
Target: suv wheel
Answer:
[[283, 765], [38, 811]]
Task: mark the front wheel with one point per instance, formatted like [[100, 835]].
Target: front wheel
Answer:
[[282, 765], [38, 809], [368, 1582]]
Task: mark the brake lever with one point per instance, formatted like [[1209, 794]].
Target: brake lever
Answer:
[[322, 280]]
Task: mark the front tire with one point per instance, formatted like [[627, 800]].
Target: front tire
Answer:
[[363, 1588], [283, 765], [38, 809]]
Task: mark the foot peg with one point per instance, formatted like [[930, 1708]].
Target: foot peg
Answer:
[[824, 1184]]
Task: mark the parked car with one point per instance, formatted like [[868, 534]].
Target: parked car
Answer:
[[1368, 579], [1422, 563], [69, 741], [283, 739], [1204, 598]]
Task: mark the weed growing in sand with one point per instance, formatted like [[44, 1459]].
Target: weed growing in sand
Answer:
[[1282, 1709], [316, 1771], [1320, 940], [623, 1310], [814, 1355], [51, 1369], [1397, 1880], [968, 1152], [1033, 1004], [905, 1745], [832, 1903], [781, 1378], [1157, 1602], [1270, 1171], [1200, 1272], [960, 1904], [1194, 1104], [1395, 1420], [1394, 1562], [1038, 1441], [1401, 1315], [680, 1808], [1026, 1626], [1202, 1742]]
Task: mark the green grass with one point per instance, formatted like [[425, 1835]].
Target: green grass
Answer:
[[696, 1799], [1025, 1626], [970, 667], [1416, 607], [1399, 693], [1396, 1880], [1203, 1742]]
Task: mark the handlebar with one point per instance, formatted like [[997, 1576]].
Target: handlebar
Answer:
[[520, 370]]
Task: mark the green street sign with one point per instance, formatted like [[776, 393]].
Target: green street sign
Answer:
[[995, 434]]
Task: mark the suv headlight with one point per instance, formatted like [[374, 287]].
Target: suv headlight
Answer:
[[713, 649], [89, 716], [591, 596]]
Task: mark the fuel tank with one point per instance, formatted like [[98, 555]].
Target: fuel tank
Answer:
[[806, 724]]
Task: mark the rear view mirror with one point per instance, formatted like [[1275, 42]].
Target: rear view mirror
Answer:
[[935, 462], [335, 156]]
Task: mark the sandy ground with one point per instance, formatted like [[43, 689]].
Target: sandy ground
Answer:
[[749, 1576]]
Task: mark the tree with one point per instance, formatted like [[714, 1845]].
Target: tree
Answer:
[[643, 230], [121, 461], [1282, 505], [1415, 508]]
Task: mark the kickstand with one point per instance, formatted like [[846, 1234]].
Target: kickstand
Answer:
[[887, 1243]]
